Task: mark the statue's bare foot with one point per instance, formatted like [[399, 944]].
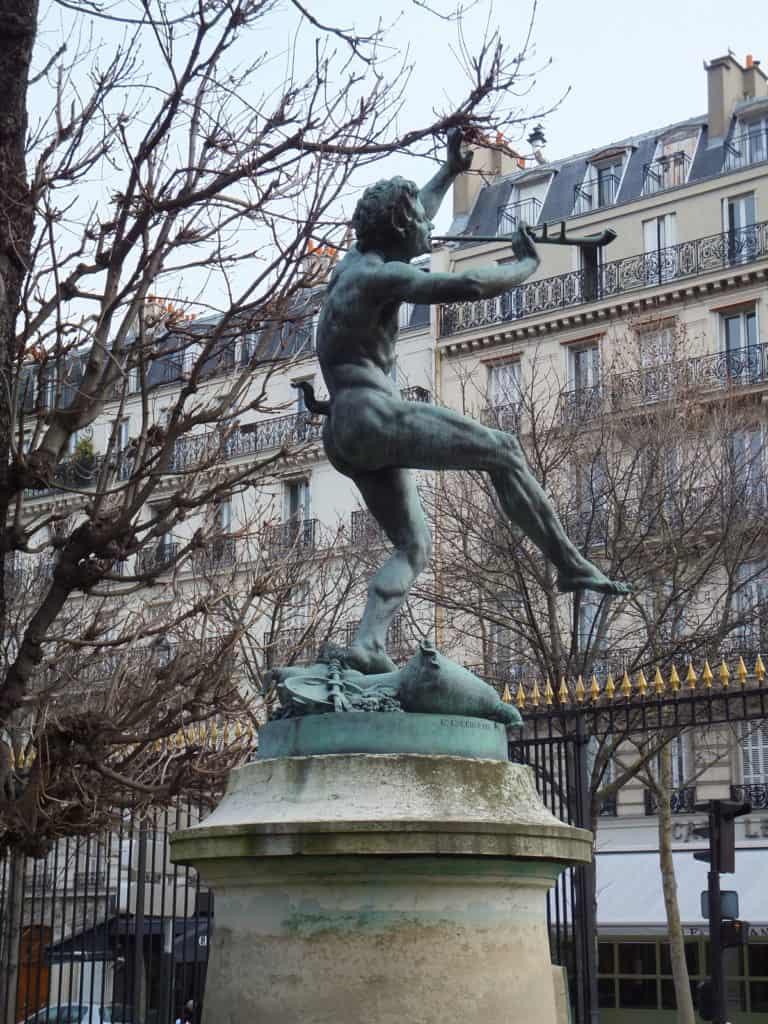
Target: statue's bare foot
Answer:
[[368, 661], [589, 577]]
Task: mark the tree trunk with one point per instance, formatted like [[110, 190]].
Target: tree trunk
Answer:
[[685, 1012], [10, 938]]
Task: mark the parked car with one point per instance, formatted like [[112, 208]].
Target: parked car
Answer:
[[81, 1013]]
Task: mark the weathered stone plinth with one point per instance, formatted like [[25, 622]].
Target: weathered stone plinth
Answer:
[[380, 889]]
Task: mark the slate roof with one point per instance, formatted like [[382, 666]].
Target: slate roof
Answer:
[[570, 171]]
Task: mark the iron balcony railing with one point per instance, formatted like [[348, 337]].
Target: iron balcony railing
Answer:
[[748, 147], [416, 394], [199, 449], [735, 369], [219, 554], [755, 792], [157, 558], [503, 416], [508, 217], [681, 801], [665, 172], [399, 643], [364, 530], [295, 538], [595, 193], [645, 270]]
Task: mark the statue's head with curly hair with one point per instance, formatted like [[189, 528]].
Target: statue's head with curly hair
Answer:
[[386, 213]]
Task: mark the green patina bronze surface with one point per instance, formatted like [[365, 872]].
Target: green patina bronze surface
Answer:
[[376, 439], [375, 733]]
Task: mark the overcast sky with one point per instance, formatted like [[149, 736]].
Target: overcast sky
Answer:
[[630, 67]]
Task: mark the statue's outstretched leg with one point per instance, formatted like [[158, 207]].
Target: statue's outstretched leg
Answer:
[[381, 432]]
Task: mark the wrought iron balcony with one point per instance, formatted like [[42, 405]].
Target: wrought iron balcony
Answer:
[[157, 558], [416, 394], [666, 172], [595, 194], [681, 801], [504, 416], [219, 553], [755, 792], [509, 216], [748, 147], [399, 643], [674, 263], [295, 538], [199, 449], [364, 530], [736, 369]]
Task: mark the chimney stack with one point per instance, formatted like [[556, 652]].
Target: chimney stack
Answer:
[[488, 162], [728, 83]]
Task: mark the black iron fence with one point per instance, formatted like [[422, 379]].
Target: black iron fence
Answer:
[[104, 923], [745, 148], [673, 263]]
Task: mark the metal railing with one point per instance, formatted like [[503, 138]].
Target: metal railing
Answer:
[[198, 449], [504, 416], [755, 792], [748, 147], [291, 645], [681, 801], [673, 263], [295, 538], [595, 193], [416, 394], [157, 558], [218, 554], [622, 391], [364, 529], [665, 172], [509, 216]]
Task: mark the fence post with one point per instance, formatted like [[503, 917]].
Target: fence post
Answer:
[[586, 919], [138, 978]]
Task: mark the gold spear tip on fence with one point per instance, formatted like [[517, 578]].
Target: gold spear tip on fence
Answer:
[[549, 693], [594, 689], [759, 669], [642, 683], [506, 695], [658, 682], [674, 679], [562, 693], [520, 700], [535, 695], [580, 691], [724, 674], [610, 687], [690, 676], [741, 671], [706, 675], [626, 685]]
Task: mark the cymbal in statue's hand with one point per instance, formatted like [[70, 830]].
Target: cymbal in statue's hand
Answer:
[[523, 245], [459, 158]]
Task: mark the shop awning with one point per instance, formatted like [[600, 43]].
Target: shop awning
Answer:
[[104, 941], [630, 898]]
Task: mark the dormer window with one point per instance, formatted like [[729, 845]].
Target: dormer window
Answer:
[[671, 162], [601, 183], [748, 144], [525, 200]]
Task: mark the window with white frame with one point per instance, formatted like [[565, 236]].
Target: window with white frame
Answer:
[[753, 747], [191, 354], [739, 332], [120, 433], [739, 220], [748, 144], [245, 348], [601, 183], [659, 236], [296, 500], [584, 366], [751, 608], [504, 383], [745, 466], [223, 516], [671, 162], [404, 314]]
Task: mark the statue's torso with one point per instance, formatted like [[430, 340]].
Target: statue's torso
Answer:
[[356, 336]]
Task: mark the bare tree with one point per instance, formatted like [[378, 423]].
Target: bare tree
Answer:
[[167, 213], [657, 476]]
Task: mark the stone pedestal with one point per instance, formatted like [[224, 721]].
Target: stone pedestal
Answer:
[[380, 889]]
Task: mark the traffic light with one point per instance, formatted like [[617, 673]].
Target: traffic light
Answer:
[[721, 833], [733, 933], [726, 812]]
